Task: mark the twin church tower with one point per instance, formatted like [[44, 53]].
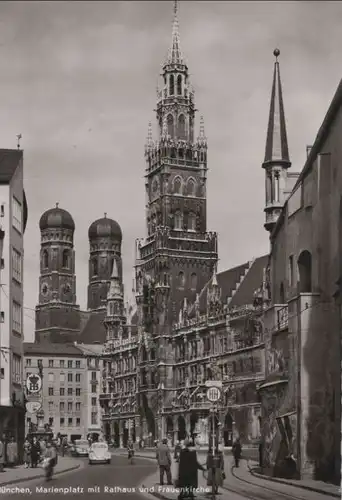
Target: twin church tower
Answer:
[[58, 317]]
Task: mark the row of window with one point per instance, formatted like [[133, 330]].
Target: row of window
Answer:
[[179, 187], [53, 363], [70, 390], [70, 422], [66, 258], [179, 222], [51, 377], [17, 312], [62, 407]]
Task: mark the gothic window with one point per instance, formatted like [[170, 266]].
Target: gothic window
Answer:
[[191, 222], [172, 85], [181, 279], [179, 85], [170, 125], [177, 185], [178, 220], [181, 127], [45, 259], [190, 188], [95, 266], [153, 354], [66, 259], [193, 281]]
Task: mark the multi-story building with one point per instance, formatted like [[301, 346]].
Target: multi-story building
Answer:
[[92, 388], [119, 377], [63, 395], [189, 319], [301, 395], [13, 219]]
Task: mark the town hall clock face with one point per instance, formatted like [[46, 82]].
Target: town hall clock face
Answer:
[[44, 288], [66, 288]]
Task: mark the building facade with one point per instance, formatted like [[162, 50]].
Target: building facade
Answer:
[[63, 395], [301, 395], [193, 324], [13, 220]]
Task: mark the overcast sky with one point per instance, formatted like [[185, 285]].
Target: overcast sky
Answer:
[[78, 81]]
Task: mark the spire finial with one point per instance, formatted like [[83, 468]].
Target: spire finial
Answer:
[[57, 205], [164, 128], [276, 141], [175, 54], [105, 215], [149, 140], [19, 136]]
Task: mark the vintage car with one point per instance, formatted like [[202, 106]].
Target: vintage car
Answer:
[[99, 454], [80, 448]]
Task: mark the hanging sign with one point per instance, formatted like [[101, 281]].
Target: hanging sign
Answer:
[[33, 406], [33, 383]]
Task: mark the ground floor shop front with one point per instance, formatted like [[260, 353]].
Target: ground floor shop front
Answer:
[[12, 425]]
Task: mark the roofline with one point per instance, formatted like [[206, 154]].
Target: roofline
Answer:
[[320, 138]]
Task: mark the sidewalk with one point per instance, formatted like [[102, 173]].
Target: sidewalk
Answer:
[[306, 484], [20, 474], [248, 471]]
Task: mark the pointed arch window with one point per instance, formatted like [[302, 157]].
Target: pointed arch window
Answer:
[[170, 125], [181, 128], [45, 259], [191, 222], [66, 263], [193, 281], [95, 266], [191, 187], [172, 85], [178, 220], [179, 85], [181, 279], [177, 185], [305, 272]]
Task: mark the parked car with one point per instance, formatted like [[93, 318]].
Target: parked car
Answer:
[[99, 453], [81, 448]]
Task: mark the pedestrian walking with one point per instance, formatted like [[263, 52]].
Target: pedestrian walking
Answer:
[[35, 453], [12, 452], [177, 451], [164, 462], [215, 460], [237, 450], [27, 453], [188, 471]]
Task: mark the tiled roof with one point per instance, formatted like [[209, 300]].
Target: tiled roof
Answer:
[[49, 349], [9, 159], [252, 281], [94, 331], [227, 281]]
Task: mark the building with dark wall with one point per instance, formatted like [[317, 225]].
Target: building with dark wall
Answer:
[[301, 394]]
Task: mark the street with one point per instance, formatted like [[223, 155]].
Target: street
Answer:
[[119, 478]]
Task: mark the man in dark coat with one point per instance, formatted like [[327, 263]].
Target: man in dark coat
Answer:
[[164, 462], [187, 475], [35, 453], [236, 449]]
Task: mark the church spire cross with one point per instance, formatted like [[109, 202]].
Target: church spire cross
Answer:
[[276, 142], [175, 55], [57, 205]]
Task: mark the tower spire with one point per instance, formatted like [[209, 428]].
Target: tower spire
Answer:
[[277, 160], [175, 55], [276, 142]]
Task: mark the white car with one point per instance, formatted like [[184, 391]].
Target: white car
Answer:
[[99, 454]]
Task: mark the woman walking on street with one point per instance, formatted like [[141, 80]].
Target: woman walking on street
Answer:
[[219, 468], [27, 453], [236, 449]]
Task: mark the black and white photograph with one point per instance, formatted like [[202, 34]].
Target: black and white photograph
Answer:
[[170, 249]]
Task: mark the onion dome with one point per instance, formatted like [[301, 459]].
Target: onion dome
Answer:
[[56, 218], [105, 228]]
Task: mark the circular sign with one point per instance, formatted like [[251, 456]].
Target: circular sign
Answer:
[[33, 406], [213, 394], [33, 383]]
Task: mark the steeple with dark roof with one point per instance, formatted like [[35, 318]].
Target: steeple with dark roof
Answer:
[[277, 160], [115, 317]]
